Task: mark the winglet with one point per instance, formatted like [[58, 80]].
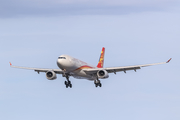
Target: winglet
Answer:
[[169, 60], [10, 63]]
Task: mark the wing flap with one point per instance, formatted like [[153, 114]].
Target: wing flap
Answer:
[[120, 69], [111, 70]]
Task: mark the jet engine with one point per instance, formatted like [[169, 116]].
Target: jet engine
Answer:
[[51, 75], [102, 74]]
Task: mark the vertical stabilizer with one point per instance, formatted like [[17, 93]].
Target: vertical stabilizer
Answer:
[[101, 59]]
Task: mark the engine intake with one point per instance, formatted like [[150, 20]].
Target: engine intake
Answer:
[[102, 74], [51, 75]]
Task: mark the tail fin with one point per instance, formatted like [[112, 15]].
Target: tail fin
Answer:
[[101, 59]]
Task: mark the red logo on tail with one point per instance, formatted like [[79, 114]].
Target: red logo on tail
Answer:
[[101, 60]]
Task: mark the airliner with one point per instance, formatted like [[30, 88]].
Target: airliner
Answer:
[[76, 68]]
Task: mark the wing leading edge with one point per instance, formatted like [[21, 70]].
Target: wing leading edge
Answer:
[[119, 69], [58, 71]]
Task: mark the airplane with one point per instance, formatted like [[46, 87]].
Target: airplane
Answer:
[[76, 68]]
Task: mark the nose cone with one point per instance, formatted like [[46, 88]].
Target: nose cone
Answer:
[[64, 62]]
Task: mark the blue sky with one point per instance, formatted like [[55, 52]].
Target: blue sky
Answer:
[[34, 33]]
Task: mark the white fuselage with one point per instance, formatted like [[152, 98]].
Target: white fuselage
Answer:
[[74, 67]]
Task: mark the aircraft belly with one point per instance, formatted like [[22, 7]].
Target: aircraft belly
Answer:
[[81, 75]]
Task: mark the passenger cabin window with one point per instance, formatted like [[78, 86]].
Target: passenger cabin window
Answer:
[[61, 58]]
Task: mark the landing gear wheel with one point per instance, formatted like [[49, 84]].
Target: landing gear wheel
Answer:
[[97, 83], [65, 82], [68, 84]]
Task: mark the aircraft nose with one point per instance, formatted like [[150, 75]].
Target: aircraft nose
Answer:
[[63, 63], [60, 63]]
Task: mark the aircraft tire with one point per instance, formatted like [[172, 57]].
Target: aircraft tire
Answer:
[[65, 82], [69, 82]]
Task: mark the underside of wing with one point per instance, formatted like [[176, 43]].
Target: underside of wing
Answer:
[[58, 71], [111, 69], [119, 69]]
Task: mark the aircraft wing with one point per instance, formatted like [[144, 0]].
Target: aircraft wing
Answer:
[[119, 69], [58, 71]]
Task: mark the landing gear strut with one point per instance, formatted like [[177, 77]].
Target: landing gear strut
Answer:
[[97, 83], [67, 83]]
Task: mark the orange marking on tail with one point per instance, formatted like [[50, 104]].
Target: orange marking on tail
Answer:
[[101, 60]]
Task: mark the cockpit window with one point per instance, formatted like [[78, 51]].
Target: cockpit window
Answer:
[[61, 58]]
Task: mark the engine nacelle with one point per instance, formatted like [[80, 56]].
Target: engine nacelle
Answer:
[[102, 74], [51, 75]]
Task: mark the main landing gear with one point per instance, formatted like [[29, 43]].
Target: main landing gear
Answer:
[[97, 83], [67, 83]]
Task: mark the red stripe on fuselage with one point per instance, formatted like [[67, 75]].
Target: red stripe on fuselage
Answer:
[[84, 67]]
